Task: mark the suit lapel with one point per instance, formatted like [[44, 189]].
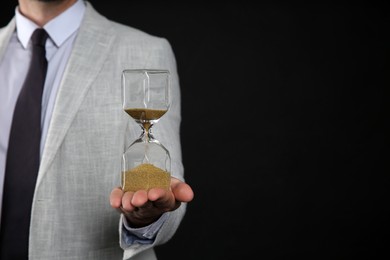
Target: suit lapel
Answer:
[[91, 48]]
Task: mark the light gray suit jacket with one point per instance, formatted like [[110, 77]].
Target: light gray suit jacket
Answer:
[[81, 162]]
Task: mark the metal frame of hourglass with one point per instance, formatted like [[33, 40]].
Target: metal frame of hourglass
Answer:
[[145, 97]]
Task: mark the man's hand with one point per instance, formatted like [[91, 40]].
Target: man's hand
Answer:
[[142, 207]]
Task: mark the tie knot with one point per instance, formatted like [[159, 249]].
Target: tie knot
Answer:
[[39, 37]]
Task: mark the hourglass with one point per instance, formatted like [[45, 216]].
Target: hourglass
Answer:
[[145, 97]]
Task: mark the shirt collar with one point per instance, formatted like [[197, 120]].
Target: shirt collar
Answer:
[[59, 28]]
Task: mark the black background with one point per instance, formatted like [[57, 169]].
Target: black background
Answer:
[[283, 128]]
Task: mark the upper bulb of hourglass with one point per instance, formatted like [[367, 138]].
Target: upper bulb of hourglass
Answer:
[[145, 95]]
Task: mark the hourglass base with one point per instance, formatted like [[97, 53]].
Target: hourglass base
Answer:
[[144, 177]]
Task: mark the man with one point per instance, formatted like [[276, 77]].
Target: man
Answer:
[[84, 133]]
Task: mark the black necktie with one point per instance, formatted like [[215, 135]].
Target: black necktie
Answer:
[[23, 156]]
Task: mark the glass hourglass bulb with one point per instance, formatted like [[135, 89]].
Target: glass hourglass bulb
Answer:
[[146, 162]]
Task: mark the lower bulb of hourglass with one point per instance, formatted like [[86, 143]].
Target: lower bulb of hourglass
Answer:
[[146, 165]]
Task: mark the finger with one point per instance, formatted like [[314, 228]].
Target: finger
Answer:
[[140, 198], [116, 197], [162, 199], [126, 201], [182, 191], [155, 194]]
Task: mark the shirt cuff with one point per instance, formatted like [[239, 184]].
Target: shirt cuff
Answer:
[[143, 235]]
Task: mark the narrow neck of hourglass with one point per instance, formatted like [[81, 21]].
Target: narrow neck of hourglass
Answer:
[[147, 131]]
